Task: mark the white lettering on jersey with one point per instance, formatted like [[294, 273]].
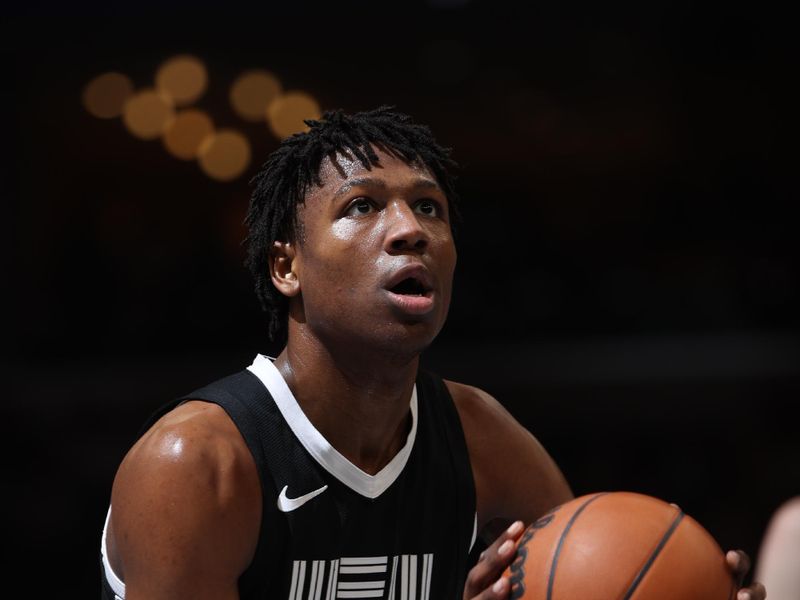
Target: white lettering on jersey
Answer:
[[363, 577]]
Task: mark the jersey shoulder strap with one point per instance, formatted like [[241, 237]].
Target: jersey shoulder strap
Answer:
[[238, 395], [250, 406], [445, 425]]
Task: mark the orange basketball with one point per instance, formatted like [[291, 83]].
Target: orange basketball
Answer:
[[619, 546]]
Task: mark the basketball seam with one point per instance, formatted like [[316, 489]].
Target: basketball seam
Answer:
[[561, 543], [640, 576]]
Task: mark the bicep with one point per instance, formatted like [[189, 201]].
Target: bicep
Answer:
[[515, 477], [528, 480], [184, 522]]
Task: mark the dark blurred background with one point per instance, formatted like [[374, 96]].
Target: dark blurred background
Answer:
[[627, 282]]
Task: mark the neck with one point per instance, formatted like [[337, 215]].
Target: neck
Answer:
[[359, 401]]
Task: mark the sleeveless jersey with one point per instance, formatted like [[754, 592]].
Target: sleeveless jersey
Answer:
[[330, 530]]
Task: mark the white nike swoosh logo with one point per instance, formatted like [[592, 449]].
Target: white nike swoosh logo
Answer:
[[286, 504]]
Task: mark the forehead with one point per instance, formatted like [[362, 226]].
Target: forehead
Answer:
[[345, 167]]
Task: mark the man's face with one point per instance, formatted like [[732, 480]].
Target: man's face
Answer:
[[376, 256]]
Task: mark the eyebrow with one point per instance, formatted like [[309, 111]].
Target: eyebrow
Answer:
[[421, 183]]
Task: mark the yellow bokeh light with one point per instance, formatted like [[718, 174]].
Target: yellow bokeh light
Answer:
[[187, 131], [286, 113], [105, 95], [253, 92], [147, 114], [224, 155], [184, 78]]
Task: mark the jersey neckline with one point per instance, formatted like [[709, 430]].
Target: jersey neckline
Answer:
[[328, 457]]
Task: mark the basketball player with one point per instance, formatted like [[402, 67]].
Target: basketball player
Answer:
[[338, 469]]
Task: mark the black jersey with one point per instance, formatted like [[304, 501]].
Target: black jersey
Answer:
[[330, 530]]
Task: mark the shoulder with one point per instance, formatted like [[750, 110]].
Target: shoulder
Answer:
[[193, 437], [486, 422], [474, 403], [488, 426], [515, 477], [188, 488]]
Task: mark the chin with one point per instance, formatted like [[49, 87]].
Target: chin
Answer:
[[392, 335], [409, 338]]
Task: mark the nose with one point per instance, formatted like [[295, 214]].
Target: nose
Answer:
[[404, 230]]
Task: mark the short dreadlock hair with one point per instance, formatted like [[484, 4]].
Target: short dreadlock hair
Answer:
[[283, 180]]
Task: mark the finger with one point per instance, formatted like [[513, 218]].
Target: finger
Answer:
[[493, 561], [498, 591], [739, 563], [755, 592], [738, 560]]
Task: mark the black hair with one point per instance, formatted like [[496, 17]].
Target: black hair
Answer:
[[283, 180]]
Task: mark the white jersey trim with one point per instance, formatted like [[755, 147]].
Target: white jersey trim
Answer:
[[474, 532], [323, 452], [115, 582]]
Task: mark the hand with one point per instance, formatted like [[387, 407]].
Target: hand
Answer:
[[485, 581], [739, 563]]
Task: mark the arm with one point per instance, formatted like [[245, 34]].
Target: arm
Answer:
[[186, 508], [516, 482], [503, 455], [516, 479]]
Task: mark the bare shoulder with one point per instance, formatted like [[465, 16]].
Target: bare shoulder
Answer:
[[474, 405], [515, 477], [488, 426], [197, 441], [186, 500]]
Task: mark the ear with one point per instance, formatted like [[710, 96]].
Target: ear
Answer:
[[282, 264]]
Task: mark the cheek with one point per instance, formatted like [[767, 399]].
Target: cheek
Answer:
[[352, 236], [329, 278], [448, 254], [449, 259], [344, 255], [336, 270], [344, 230]]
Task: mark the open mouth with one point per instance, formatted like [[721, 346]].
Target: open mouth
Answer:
[[409, 286]]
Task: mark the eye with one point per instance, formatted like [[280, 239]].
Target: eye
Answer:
[[360, 206], [429, 208]]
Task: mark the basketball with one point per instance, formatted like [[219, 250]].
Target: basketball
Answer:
[[619, 546]]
